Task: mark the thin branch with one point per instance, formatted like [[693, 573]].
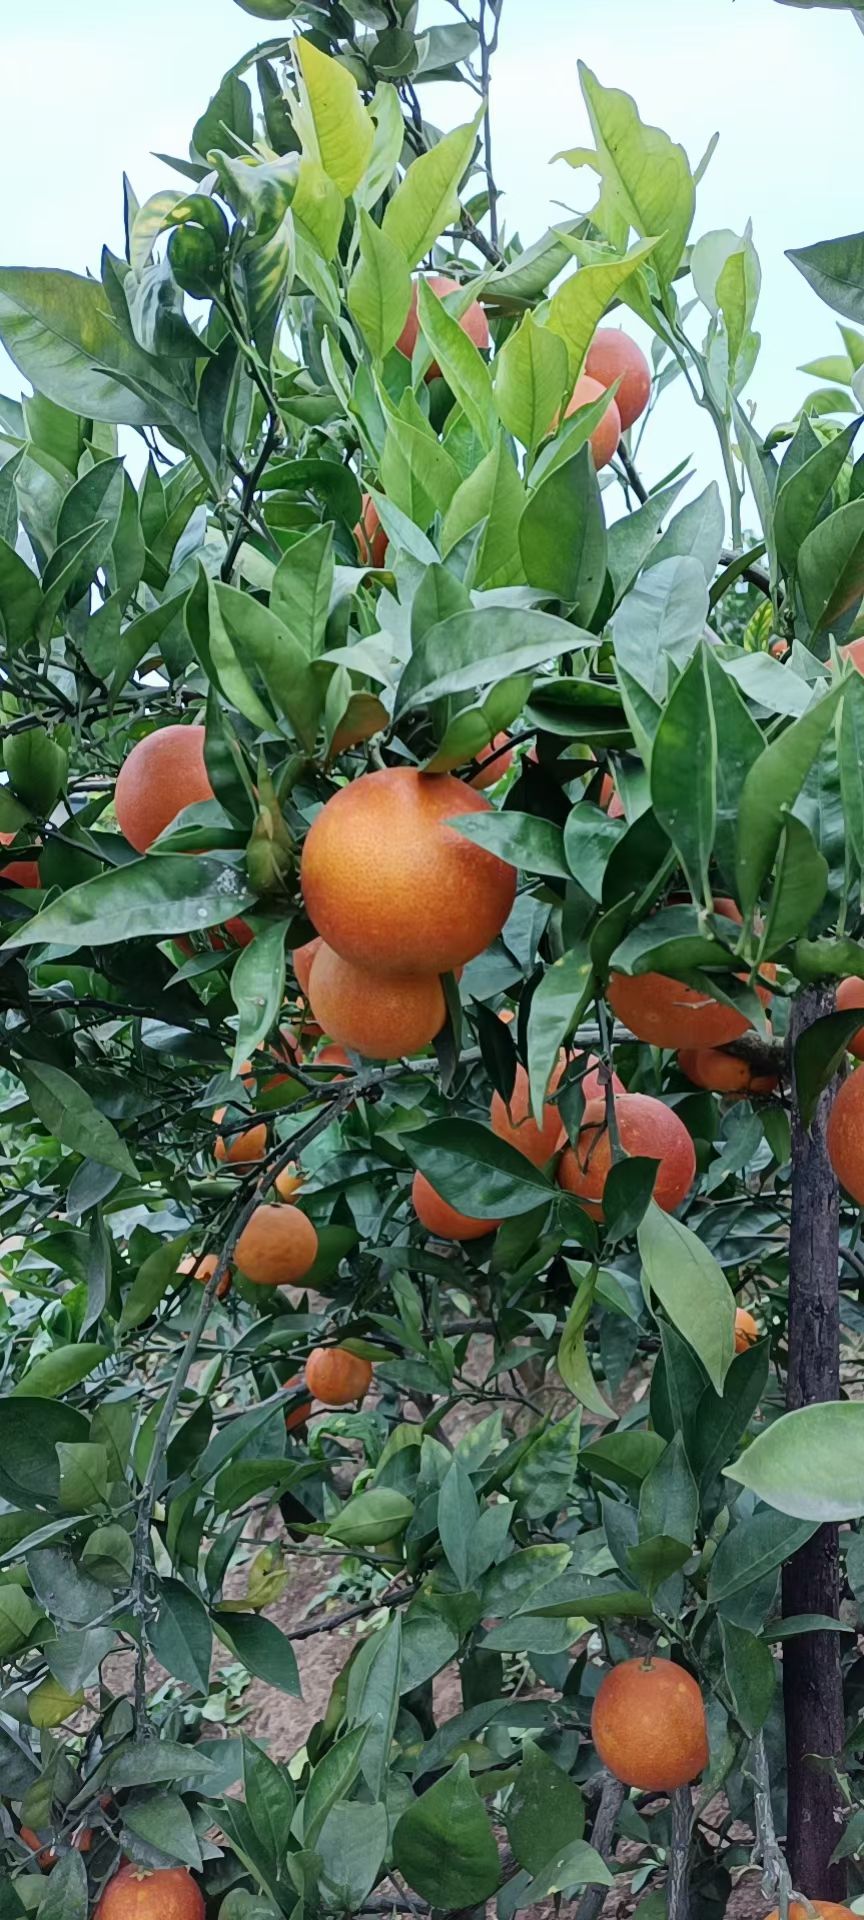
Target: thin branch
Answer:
[[678, 1884], [603, 1841], [767, 1851], [247, 498], [328, 1623]]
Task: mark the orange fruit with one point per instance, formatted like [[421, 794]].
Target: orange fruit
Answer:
[[332, 1057], [845, 1135], [514, 1122], [473, 321], [648, 1725], [592, 1085], [391, 886], [827, 1910], [240, 931], [143, 1893], [277, 1247], [297, 1416], [854, 652], [237, 1149], [337, 1377], [721, 1073], [302, 959], [19, 873], [605, 438], [613, 354], [487, 775], [288, 1182], [46, 1857], [850, 993], [646, 1129], [665, 1013], [379, 1015], [372, 541], [202, 1267], [780, 648], [163, 774], [746, 1330], [438, 1217]]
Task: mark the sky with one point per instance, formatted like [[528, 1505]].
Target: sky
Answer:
[[95, 89]]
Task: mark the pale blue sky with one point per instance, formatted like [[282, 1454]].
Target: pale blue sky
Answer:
[[92, 89]]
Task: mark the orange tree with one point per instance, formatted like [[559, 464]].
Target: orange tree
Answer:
[[432, 858]]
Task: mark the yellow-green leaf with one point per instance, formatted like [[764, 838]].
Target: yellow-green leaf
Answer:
[[331, 120], [427, 199], [647, 175], [319, 206], [494, 493], [465, 372], [379, 291], [531, 374], [581, 302]]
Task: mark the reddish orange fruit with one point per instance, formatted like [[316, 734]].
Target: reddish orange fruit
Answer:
[[297, 1416], [379, 1015], [665, 1013], [612, 354], [46, 1856], [473, 321], [237, 1149], [332, 1057], [391, 886], [827, 1910], [514, 1122], [202, 1267], [163, 774], [142, 1893], [289, 1182], [438, 1217], [850, 993], [372, 541], [845, 1135], [302, 959], [605, 438], [746, 1330], [489, 768], [277, 1247], [647, 1129], [721, 1073], [854, 653], [240, 931], [648, 1725], [336, 1377], [19, 873], [592, 1085]]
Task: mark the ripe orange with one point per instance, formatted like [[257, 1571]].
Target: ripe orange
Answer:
[[613, 353], [592, 1085], [237, 1149], [19, 873], [302, 958], [473, 321], [202, 1267], [380, 1015], [332, 1057], [514, 1122], [646, 1129], [163, 774], [605, 438], [142, 1893], [372, 541], [391, 886], [288, 1182], [746, 1330], [438, 1217], [277, 1247], [850, 993], [854, 653], [337, 1377], [296, 1416], [487, 774], [827, 1910], [665, 1013], [648, 1725], [46, 1856], [845, 1135], [721, 1073]]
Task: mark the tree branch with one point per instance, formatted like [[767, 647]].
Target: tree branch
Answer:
[[247, 497], [603, 1841]]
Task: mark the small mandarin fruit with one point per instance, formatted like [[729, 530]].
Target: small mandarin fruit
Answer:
[[648, 1725], [145, 1893], [720, 1072], [593, 1087], [492, 764], [379, 1015], [391, 886], [297, 1416], [277, 1247], [605, 438], [850, 993], [613, 356], [438, 1217], [647, 1129], [473, 321], [845, 1135], [302, 959], [235, 1148], [288, 1182], [336, 1377], [514, 1122], [202, 1267], [372, 542], [46, 1856], [19, 873], [746, 1330], [164, 773]]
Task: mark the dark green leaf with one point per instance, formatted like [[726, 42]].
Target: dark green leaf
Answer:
[[444, 1846]]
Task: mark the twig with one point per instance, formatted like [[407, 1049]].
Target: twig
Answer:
[[329, 1622], [678, 1885], [767, 1851], [247, 498], [603, 1842]]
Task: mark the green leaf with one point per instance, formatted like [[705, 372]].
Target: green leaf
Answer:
[[67, 1111], [458, 1514], [55, 1373], [257, 990], [67, 1896], [819, 1053], [531, 374], [562, 536], [261, 1647], [370, 1518], [18, 1617], [556, 1008], [831, 566], [58, 329], [334, 124], [684, 772], [379, 291], [801, 498], [771, 786], [30, 1429], [476, 1172], [331, 1780], [750, 1675], [576, 1865], [108, 1555], [270, 1800], [266, 650], [427, 198], [475, 649], [83, 1475], [20, 597], [834, 268], [159, 895], [810, 1463], [572, 1359], [720, 1420], [493, 494], [742, 744], [463, 368], [669, 1499], [633, 538], [850, 750], [149, 1765], [522, 839], [649, 176], [151, 1282], [417, 472], [661, 620], [577, 307], [752, 1550], [302, 589], [691, 1288], [163, 1821], [695, 533], [443, 1843], [181, 1636], [545, 1811], [799, 889]]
